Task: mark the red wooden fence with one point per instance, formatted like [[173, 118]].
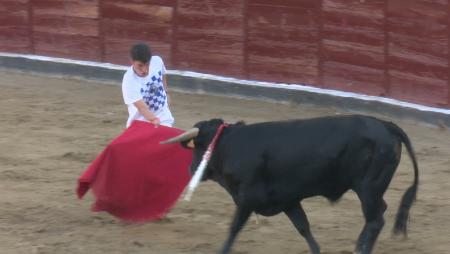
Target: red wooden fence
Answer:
[[391, 48]]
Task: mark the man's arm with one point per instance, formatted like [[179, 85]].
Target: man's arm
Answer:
[[143, 109]]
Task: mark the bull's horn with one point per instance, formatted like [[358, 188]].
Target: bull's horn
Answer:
[[189, 134]]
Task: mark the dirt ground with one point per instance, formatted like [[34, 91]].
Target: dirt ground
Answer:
[[52, 128]]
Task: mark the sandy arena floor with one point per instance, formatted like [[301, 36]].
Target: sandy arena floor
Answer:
[[52, 128]]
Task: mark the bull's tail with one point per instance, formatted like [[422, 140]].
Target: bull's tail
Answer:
[[409, 197]]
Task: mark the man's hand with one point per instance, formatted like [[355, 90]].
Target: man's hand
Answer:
[[149, 116], [155, 121]]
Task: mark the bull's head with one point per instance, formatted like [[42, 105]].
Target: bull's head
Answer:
[[198, 138]]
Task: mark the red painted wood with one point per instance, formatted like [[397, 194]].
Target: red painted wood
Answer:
[[210, 37], [419, 89], [282, 42], [101, 30], [67, 45], [68, 8], [418, 51], [13, 14], [372, 9], [14, 23], [353, 45], [13, 6], [207, 25], [220, 64], [353, 78], [306, 4], [353, 53], [207, 43], [300, 71], [13, 2], [394, 48], [174, 42], [14, 40], [213, 54], [448, 55], [211, 7], [117, 50], [353, 29], [126, 29], [155, 14], [282, 24], [170, 3], [127, 22], [430, 9], [65, 25]]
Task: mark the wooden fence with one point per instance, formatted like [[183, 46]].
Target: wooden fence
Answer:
[[391, 48]]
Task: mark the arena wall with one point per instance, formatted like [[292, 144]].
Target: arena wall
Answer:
[[388, 48]]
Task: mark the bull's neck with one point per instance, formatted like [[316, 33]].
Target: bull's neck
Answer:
[[210, 152]]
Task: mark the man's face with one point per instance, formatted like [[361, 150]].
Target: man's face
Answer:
[[140, 68]]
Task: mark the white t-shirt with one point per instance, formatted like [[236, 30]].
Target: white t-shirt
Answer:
[[150, 89]]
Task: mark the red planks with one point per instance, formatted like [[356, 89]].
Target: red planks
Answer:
[[209, 37], [419, 89], [393, 48], [211, 7], [116, 28], [210, 54], [67, 8], [127, 22], [16, 40], [67, 28], [282, 41], [169, 3], [418, 50], [14, 26], [73, 46], [353, 78], [155, 14], [117, 50], [285, 3], [285, 24], [13, 14], [65, 25], [353, 45]]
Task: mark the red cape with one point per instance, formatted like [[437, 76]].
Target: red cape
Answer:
[[135, 178]]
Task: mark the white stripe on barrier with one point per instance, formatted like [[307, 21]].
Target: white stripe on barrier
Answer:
[[244, 82]]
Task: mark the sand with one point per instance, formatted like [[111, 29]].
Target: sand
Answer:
[[52, 128]]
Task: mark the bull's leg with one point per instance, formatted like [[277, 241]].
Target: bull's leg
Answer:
[[373, 207], [298, 217], [240, 218], [370, 191]]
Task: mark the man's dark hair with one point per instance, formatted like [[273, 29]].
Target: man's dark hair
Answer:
[[141, 52]]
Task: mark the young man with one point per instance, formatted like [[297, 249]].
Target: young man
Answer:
[[144, 88]]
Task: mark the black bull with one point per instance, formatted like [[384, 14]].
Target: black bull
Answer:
[[270, 167]]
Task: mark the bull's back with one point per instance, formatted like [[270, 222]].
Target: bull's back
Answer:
[[302, 157]]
